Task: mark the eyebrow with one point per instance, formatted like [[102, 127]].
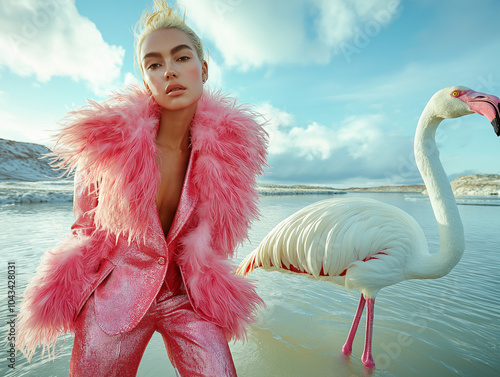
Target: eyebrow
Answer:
[[178, 48], [172, 52]]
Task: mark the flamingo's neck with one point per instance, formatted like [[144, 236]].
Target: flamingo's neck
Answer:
[[451, 234]]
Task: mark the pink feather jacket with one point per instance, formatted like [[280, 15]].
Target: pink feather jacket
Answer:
[[111, 145]]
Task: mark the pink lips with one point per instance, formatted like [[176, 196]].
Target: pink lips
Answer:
[[175, 90]]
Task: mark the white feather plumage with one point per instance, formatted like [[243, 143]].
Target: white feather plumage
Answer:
[[323, 241]]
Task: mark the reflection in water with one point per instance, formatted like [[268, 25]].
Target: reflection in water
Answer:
[[443, 327]]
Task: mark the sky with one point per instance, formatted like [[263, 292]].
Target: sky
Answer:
[[341, 83]]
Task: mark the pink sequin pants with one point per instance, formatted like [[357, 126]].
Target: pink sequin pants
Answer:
[[195, 346]]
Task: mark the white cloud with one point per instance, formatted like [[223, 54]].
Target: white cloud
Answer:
[[36, 128], [131, 79], [258, 32], [313, 142], [339, 21], [50, 38], [277, 120], [215, 74], [358, 147], [359, 135], [317, 141], [275, 117]]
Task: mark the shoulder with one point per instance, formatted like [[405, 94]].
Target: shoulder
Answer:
[[123, 110], [221, 121], [110, 126]]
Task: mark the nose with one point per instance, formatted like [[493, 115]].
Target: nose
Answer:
[[170, 73]]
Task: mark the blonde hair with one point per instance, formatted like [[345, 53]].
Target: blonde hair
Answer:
[[161, 16]]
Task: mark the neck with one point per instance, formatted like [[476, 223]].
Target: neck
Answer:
[[173, 131], [451, 234]]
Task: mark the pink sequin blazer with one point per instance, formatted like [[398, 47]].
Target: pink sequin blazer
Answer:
[[112, 147]]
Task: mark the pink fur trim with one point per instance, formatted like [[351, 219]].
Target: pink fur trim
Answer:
[[52, 296], [232, 154], [113, 142], [225, 298], [232, 149]]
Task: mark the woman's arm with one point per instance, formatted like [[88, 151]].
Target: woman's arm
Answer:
[[54, 295], [85, 201]]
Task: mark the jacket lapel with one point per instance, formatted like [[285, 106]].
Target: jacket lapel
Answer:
[[187, 202]]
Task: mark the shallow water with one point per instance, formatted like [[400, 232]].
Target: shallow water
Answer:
[[443, 327]]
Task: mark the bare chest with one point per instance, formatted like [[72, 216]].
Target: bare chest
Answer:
[[172, 167]]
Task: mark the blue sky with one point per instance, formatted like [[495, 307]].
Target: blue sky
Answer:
[[342, 83]]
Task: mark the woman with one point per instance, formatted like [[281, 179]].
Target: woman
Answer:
[[164, 191]]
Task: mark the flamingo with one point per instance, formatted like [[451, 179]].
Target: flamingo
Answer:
[[367, 245]]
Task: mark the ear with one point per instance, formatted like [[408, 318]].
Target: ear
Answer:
[[147, 87], [204, 71]]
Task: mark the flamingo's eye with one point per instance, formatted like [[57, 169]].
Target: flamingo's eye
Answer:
[[455, 93]]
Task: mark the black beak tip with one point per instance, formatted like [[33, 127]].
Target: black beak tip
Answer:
[[496, 125]]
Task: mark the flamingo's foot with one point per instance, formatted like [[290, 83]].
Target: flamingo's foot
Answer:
[[368, 361], [347, 349]]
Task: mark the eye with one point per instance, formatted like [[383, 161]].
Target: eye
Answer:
[[153, 66], [183, 58], [455, 93]]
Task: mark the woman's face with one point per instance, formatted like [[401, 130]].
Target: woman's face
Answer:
[[173, 72]]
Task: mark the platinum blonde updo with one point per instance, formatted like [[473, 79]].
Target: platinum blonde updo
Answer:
[[162, 16]]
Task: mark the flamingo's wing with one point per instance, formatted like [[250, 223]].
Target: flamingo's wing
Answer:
[[327, 237]]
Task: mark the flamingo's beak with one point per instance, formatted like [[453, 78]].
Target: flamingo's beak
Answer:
[[484, 104], [496, 125]]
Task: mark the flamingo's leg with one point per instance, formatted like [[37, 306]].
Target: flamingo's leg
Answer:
[[367, 357], [347, 348]]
